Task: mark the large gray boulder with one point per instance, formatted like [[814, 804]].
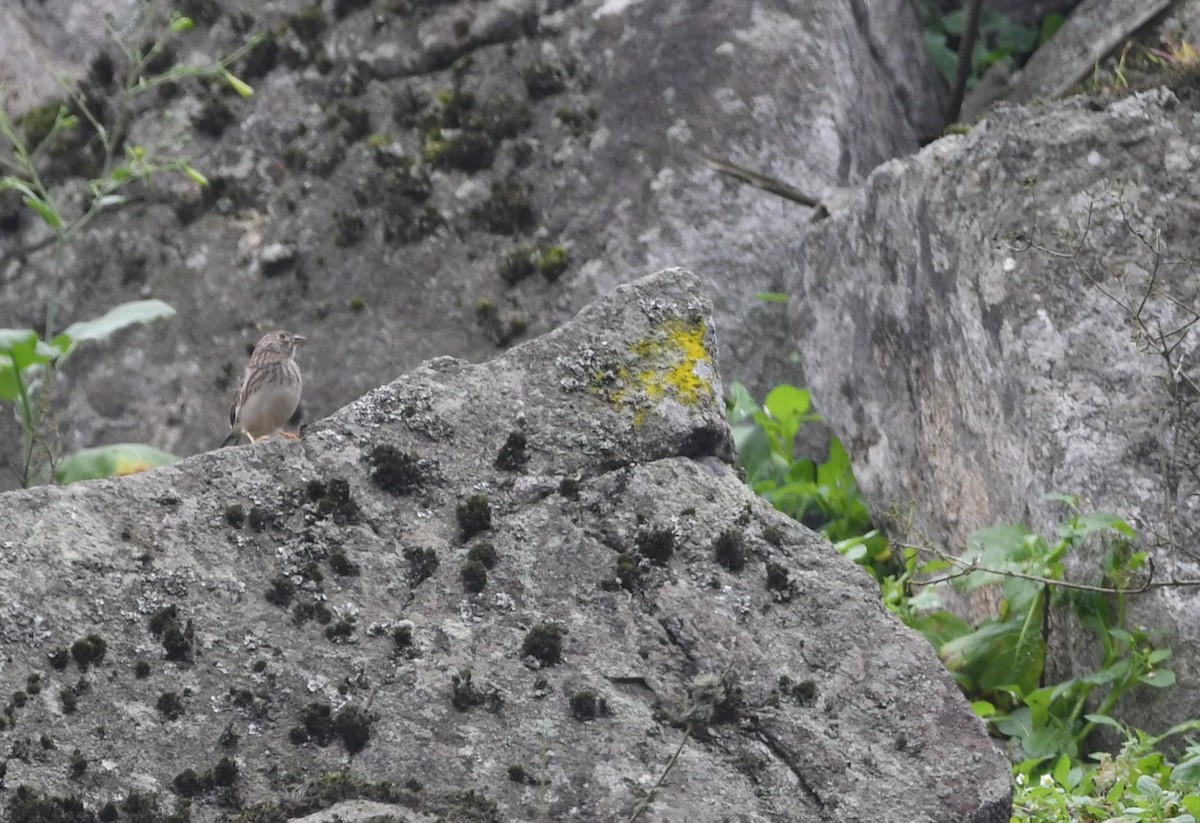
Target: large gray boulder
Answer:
[[1013, 312], [402, 166], [533, 589]]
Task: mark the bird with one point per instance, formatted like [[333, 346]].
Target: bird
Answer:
[[268, 398]]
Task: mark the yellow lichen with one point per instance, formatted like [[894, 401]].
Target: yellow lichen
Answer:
[[674, 362]]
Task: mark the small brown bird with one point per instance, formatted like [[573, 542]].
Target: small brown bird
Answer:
[[269, 396]]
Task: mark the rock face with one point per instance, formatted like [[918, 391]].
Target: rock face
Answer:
[[415, 179], [509, 591], [1011, 313]]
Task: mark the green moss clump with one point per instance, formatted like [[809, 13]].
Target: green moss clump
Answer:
[[69, 699], [568, 487], [773, 535], [474, 516], [513, 454], [394, 471], [357, 304], [544, 78], [141, 670], [544, 643], [517, 265], [518, 774], [729, 550], [804, 692], [175, 634], [235, 515], [422, 563], [463, 694], [484, 553], [487, 316], [587, 705], [31, 806], [402, 637], [59, 658], [260, 519], [777, 577], [282, 591], [508, 209], [576, 122], [656, 544], [553, 262], [333, 501], [89, 651], [469, 151], [340, 630], [342, 565], [628, 571], [321, 726], [170, 706], [474, 576]]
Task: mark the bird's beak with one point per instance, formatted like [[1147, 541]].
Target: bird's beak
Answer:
[[298, 340]]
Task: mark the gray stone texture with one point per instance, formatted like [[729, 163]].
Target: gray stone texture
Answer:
[[599, 112], [1006, 314], [822, 707]]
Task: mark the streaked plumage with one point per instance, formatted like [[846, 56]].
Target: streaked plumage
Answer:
[[269, 395]]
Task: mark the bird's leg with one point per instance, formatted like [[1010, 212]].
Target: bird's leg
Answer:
[[288, 435]]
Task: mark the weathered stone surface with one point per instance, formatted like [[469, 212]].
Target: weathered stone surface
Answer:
[[982, 326], [1090, 32], [300, 609], [370, 149]]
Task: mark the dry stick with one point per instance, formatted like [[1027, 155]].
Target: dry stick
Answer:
[[767, 184], [962, 71], [662, 778], [645, 804]]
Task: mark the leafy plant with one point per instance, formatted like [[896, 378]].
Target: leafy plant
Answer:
[[29, 359], [1000, 662], [823, 496], [1138, 784], [28, 365], [1000, 40]]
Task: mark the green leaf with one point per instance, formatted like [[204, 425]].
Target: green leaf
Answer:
[[117, 318], [1061, 770], [10, 384], [238, 85], [11, 337], [43, 210], [983, 709], [195, 176], [1157, 656], [110, 461], [1187, 772], [771, 297], [182, 24], [1104, 720], [1069, 500], [1159, 678]]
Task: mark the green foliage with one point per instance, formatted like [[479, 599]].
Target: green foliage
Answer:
[[116, 460], [824, 496], [1138, 784], [1000, 661], [1000, 40], [29, 359]]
